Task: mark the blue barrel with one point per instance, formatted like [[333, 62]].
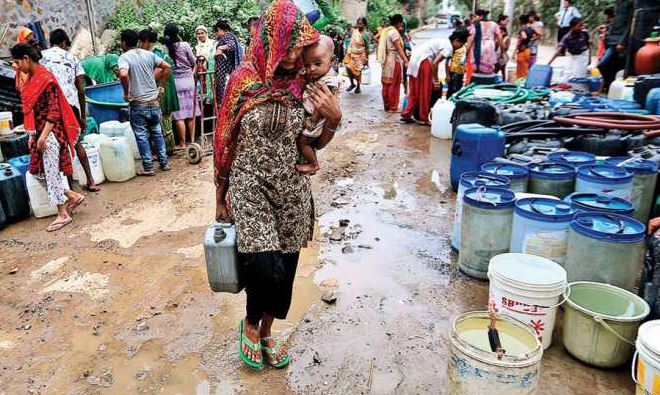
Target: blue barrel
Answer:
[[593, 202], [551, 178], [608, 180], [653, 101], [486, 228], [518, 174], [605, 248], [106, 102], [13, 194], [471, 179], [645, 175], [539, 76], [473, 146], [593, 83], [575, 158], [21, 163], [540, 227]]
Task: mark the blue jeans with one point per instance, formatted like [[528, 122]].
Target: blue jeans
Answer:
[[145, 121]]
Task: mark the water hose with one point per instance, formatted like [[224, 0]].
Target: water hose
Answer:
[[506, 93], [611, 120]]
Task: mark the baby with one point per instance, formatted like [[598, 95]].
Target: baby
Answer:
[[318, 69]]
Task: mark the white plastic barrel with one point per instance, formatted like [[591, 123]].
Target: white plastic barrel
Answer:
[[94, 159], [528, 288], [117, 159], [96, 139], [112, 128], [38, 194], [645, 174], [441, 119], [471, 179], [646, 365], [605, 179], [540, 227]]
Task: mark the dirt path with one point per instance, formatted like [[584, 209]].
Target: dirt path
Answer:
[[119, 303]]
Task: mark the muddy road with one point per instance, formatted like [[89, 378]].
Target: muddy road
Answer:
[[118, 303]]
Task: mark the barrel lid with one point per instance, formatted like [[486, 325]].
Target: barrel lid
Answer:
[[527, 269], [471, 179], [575, 158], [493, 198], [7, 169], [23, 159], [606, 174], [552, 170], [635, 165], [547, 210], [649, 336], [510, 170], [599, 202], [609, 227]]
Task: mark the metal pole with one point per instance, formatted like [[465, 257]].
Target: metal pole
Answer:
[[92, 25], [508, 11]]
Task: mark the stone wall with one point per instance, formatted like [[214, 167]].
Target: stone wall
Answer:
[[353, 9], [71, 15]]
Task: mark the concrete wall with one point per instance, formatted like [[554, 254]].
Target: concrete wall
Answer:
[[353, 9], [69, 15]]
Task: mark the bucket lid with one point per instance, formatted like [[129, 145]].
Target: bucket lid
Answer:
[[598, 202], [526, 269], [575, 158], [649, 336], [471, 179], [23, 159], [606, 174], [606, 301], [511, 170], [493, 198], [635, 165], [552, 170], [546, 210], [608, 227]]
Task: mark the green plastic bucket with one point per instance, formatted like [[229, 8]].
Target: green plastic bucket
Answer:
[[601, 322]]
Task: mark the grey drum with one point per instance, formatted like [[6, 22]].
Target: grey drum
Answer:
[[223, 267]]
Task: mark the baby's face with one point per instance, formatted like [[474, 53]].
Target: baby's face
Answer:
[[318, 60]]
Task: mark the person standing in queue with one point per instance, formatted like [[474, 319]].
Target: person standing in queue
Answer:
[[392, 59], [357, 55], [136, 73], [228, 55], [616, 42], [255, 170], [71, 77]]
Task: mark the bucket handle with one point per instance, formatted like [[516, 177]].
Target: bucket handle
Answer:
[[620, 223], [564, 298], [633, 373], [605, 325]]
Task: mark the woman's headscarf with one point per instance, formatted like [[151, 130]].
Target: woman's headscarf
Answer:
[[281, 28], [24, 34]]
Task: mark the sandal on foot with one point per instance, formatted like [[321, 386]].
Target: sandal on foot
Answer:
[[145, 173], [242, 339], [271, 353], [57, 225], [72, 206], [95, 188]]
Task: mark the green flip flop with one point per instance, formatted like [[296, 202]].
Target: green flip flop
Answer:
[[270, 354], [242, 339]]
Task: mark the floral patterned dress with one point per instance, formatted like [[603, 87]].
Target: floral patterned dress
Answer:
[[270, 201]]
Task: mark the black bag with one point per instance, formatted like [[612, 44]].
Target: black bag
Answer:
[[473, 111]]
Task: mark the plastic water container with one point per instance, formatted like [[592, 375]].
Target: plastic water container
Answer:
[[593, 83], [645, 175], [223, 267], [558, 75], [473, 146], [519, 175], [601, 322], [485, 228], [96, 139], [616, 89], [540, 227], [471, 179], [606, 248], [539, 76], [21, 163], [605, 179], [366, 76], [551, 178], [13, 194], [117, 159], [575, 158], [94, 159], [653, 101], [121, 129], [39, 196], [646, 364], [441, 119], [593, 202], [529, 288], [106, 101], [6, 123]]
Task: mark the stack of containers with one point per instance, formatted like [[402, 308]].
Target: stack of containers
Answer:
[[551, 178], [540, 227], [608, 180], [593, 202], [486, 228], [471, 179], [519, 175], [645, 174]]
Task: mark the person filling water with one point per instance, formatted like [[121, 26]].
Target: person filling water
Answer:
[[318, 70]]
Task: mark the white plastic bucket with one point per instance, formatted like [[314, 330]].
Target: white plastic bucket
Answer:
[[528, 288], [646, 363]]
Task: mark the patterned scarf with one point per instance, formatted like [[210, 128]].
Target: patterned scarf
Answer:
[[382, 44], [282, 28]]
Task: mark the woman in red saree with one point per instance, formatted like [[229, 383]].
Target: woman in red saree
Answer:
[[53, 129], [392, 59]]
